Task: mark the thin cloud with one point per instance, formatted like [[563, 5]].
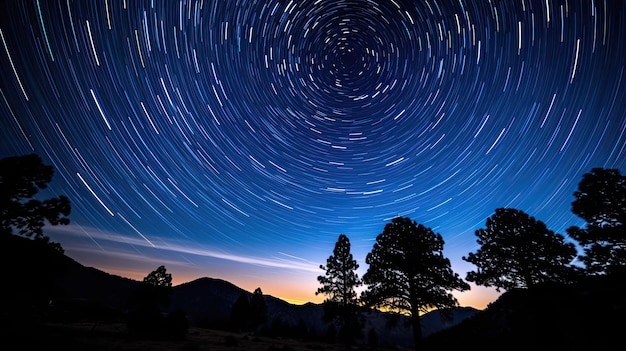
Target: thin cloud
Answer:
[[295, 263]]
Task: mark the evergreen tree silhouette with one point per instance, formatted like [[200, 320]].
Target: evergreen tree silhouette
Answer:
[[339, 284], [518, 251], [21, 178], [601, 202], [408, 273]]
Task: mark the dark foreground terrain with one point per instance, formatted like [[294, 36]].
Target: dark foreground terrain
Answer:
[[88, 313], [585, 315], [114, 336]]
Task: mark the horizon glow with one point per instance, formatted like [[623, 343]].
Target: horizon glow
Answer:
[[239, 140]]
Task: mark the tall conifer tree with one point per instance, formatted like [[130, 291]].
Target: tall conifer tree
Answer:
[[408, 272], [341, 279]]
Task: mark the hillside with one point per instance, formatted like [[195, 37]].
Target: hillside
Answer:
[[588, 315], [581, 316], [75, 292]]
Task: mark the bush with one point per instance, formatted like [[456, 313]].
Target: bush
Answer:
[[150, 323], [176, 325]]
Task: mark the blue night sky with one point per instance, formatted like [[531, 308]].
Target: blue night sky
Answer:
[[238, 139]]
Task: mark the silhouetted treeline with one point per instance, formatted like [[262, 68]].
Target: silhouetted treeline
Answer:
[[148, 315], [407, 272], [586, 315]]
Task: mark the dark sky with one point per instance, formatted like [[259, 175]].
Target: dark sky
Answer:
[[238, 139]]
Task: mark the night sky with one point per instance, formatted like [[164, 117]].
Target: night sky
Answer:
[[238, 139]]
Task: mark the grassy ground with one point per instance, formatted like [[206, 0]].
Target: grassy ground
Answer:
[[101, 337]]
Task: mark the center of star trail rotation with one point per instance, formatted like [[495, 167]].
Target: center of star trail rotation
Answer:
[[258, 131]]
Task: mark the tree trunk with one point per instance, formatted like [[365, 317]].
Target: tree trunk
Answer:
[[417, 330]]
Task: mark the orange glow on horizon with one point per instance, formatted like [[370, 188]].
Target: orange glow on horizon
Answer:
[[292, 284], [300, 292]]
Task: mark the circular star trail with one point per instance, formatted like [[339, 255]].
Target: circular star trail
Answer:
[[256, 132]]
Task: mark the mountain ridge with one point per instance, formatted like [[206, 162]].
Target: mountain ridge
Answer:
[[206, 301]]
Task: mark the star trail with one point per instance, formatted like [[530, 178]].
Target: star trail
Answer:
[[238, 139]]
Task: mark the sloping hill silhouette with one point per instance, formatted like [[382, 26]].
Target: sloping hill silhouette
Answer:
[[81, 282], [587, 315], [206, 301], [87, 293]]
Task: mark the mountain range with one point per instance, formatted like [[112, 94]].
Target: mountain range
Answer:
[[208, 302], [584, 315], [85, 292]]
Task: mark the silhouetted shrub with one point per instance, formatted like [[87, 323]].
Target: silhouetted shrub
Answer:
[[176, 325], [249, 314], [372, 338], [276, 328], [331, 334], [147, 304], [231, 341], [151, 324], [282, 348], [240, 313], [144, 321], [33, 271]]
